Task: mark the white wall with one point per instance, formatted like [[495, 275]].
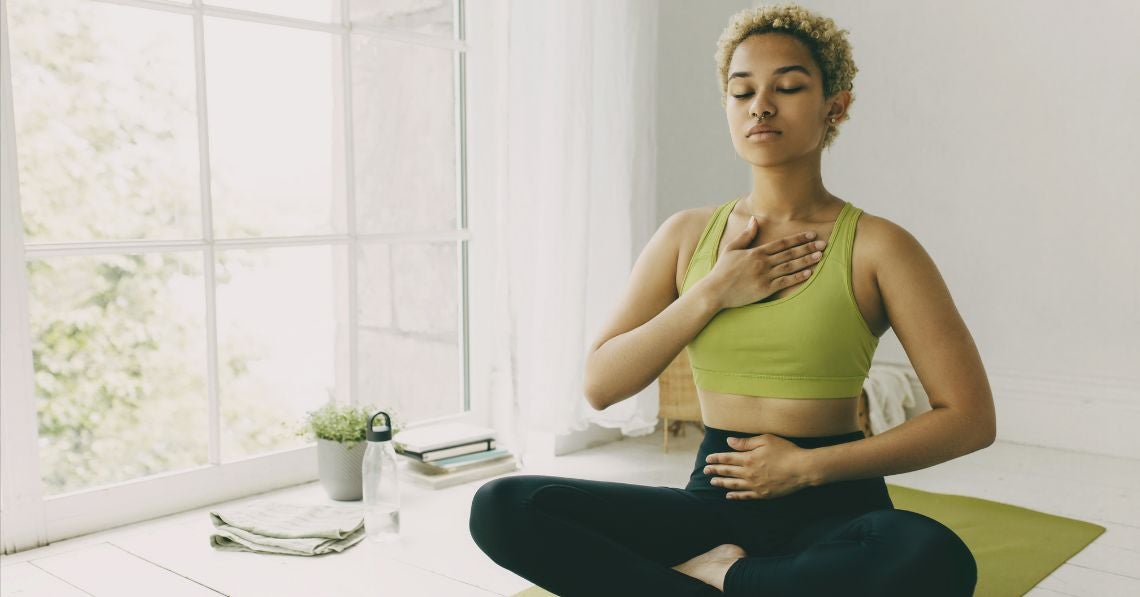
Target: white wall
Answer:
[[696, 163], [1000, 134]]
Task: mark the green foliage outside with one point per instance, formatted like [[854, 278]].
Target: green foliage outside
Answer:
[[119, 366]]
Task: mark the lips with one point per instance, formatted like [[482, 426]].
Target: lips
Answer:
[[762, 129]]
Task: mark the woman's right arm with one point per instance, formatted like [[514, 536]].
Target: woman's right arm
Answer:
[[650, 325]]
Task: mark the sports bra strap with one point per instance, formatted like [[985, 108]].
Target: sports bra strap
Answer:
[[710, 241]]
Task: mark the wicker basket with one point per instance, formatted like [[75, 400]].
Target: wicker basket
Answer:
[[678, 396], [680, 404]]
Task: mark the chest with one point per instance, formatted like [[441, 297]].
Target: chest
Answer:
[[864, 288]]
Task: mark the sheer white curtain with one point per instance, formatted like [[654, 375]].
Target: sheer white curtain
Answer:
[[21, 499], [578, 204]]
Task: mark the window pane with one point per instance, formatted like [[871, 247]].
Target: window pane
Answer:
[[410, 355], [120, 362], [404, 119], [272, 107], [432, 17], [106, 126], [313, 10], [277, 340]]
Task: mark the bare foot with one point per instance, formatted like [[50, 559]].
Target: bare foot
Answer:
[[711, 566]]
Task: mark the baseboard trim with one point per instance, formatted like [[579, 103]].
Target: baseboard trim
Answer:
[[594, 435], [1078, 414]]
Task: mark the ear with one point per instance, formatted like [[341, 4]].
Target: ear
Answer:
[[837, 106]]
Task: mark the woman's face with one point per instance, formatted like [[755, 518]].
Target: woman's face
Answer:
[[777, 75]]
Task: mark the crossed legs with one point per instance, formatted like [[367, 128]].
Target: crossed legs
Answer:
[[585, 537]]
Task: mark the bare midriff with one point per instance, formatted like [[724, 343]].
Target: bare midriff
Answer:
[[790, 417]]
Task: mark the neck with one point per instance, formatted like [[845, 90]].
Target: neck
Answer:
[[788, 192]]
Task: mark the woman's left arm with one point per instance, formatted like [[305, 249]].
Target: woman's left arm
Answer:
[[944, 357]]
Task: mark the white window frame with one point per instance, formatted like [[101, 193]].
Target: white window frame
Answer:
[[86, 511]]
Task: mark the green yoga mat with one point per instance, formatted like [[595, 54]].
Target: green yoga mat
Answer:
[[1015, 547]]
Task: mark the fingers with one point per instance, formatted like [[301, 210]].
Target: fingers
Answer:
[[750, 229], [793, 272], [799, 251], [802, 262], [795, 278], [787, 242], [745, 237], [732, 470]]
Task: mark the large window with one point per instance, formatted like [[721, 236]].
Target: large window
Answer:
[[233, 212]]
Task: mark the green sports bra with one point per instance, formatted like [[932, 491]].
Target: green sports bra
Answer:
[[813, 343]]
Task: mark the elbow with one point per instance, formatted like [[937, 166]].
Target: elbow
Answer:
[[988, 438], [987, 442], [602, 395], [603, 391], [600, 400], [596, 399], [991, 436]]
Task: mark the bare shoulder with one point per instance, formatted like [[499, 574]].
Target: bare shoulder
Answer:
[[693, 219], [879, 239], [688, 224]]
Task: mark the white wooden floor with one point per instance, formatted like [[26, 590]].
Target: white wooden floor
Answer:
[[171, 556]]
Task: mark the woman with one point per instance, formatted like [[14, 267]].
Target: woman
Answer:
[[780, 297]]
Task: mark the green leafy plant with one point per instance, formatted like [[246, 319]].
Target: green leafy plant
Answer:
[[344, 423]]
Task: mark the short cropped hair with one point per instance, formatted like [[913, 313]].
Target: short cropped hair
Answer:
[[827, 43]]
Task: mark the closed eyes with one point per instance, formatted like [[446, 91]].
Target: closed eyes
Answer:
[[743, 95]]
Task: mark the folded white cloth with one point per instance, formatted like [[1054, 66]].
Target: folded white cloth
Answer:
[[889, 390], [284, 528]]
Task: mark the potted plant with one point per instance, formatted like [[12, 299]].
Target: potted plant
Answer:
[[339, 430]]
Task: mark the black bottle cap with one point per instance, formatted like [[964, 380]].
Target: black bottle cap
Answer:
[[382, 433]]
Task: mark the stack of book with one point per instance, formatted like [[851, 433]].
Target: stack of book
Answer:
[[451, 453]]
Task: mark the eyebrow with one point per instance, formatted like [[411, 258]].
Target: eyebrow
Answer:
[[778, 71]]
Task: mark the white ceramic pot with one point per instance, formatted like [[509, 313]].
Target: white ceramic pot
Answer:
[[339, 469]]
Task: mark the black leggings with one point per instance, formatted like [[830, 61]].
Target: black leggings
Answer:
[[592, 538]]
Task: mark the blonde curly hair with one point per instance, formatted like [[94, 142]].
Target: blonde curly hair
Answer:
[[827, 43]]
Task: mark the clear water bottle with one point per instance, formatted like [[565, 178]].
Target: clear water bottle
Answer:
[[381, 483]]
